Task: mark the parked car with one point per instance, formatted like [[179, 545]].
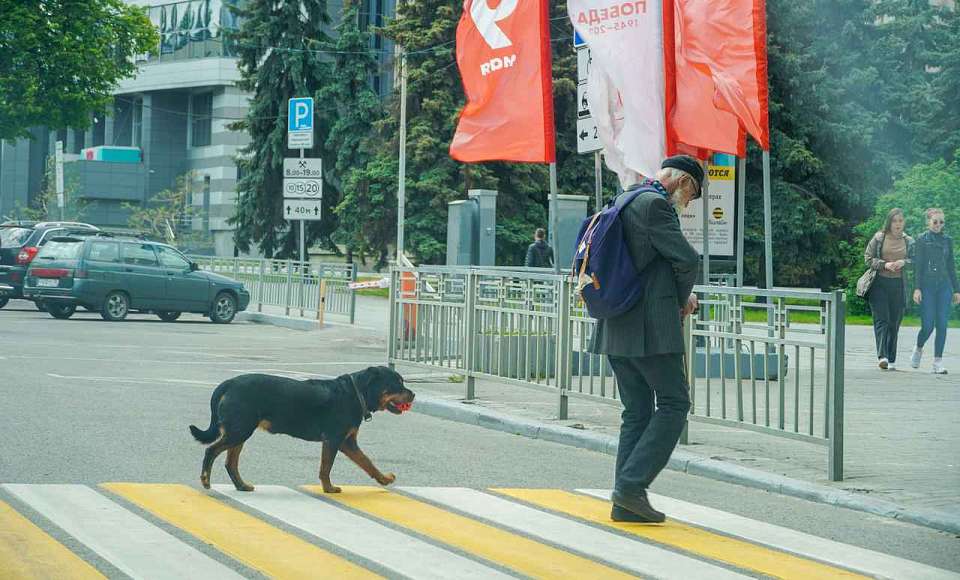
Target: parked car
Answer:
[[20, 241], [119, 275]]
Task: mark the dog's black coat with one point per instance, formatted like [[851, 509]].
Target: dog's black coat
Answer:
[[330, 411]]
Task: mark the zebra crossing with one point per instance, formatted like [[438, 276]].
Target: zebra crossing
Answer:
[[144, 530]]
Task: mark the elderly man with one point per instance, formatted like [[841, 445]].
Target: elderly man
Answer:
[[645, 344]]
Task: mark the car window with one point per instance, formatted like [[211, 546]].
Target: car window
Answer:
[[170, 258], [60, 250], [139, 255], [50, 234], [104, 252], [13, 237]]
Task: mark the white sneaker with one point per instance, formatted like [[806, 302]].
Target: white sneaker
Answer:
[[883, 363], [915, 357], [938, 368], [891, 367]]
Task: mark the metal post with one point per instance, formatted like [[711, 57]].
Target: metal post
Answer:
[[322, 300], [303, 237], [689, 352], [741, 177], [553, 215], [564, 349], [353, 295], [289, 286], [767, 222], [598, 180], [705, 209], [260, 287], [836, 385], [469, 342], [58, 171], [402, 187], [392, 333]]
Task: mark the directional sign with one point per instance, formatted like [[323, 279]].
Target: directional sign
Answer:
[[302, 209], [588, 140], [300, 123], [578, 40]]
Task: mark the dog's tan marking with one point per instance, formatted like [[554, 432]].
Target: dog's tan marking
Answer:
[[265, 425]]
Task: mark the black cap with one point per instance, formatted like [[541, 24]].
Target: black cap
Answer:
[[686, 164]]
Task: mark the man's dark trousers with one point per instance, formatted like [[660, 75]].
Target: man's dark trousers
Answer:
[[655, 400]]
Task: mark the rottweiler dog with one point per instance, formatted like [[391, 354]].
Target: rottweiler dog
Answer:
[[330, 411]]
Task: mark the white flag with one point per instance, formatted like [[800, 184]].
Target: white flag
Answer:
[[626, 84]]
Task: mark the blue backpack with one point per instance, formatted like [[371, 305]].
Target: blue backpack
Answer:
[[603, 270]]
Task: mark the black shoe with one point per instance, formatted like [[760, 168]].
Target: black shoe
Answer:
[[637, 505], [619, 514]]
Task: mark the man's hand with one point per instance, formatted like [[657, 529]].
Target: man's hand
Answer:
[[890, 266], [917, 296], [898, 265], [690, 307]]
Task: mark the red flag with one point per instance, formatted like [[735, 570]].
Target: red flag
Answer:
[[717, 80], [504, 57]]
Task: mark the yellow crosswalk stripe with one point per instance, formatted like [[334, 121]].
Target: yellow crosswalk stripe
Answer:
[[26, 551], [245, 538], [513, 551], [717, 547]]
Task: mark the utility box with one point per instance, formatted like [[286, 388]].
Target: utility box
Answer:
[[486, 225], [472, 229], [461, 215], [571, 211]]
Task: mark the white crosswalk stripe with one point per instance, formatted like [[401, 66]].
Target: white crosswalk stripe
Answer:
[[401, 553], [132, 544], [636, 556], [862, 560]]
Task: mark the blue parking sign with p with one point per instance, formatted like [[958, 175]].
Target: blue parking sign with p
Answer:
[[300, 114]]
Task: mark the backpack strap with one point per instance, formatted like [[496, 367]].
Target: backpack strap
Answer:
[[587, 235]]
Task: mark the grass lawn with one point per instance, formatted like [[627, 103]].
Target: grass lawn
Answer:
[[377, 292], [754, 315]]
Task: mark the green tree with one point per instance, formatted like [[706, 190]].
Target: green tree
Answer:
[[44, 205], [281, 55], [61, 59], [357, 109], [164, 214]]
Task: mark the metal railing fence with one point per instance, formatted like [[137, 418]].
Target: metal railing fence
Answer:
[[290, 284], [782, 378]]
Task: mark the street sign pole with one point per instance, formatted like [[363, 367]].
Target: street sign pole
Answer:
[[402, 178], [303, 236], [705, 209], [741, 210], [553, 215], [597, 178]]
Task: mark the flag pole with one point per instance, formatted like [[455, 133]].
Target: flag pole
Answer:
[[704, 207], [402, 178], [553, 216], [767, 222], [741, 210]]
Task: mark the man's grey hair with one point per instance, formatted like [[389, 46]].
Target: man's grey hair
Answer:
[[672, 172]]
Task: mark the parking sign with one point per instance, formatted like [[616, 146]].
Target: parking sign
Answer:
[[300, 123]]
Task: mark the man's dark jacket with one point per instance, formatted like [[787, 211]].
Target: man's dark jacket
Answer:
[[539, 255], [669, 265]]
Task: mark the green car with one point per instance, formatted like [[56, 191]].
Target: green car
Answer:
[[116, 276]]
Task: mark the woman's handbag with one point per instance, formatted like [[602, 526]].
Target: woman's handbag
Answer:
[[865, 282]]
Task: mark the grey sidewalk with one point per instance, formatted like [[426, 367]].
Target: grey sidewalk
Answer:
[[902, 427]]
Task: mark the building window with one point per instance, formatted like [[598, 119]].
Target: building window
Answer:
[[201, 111]]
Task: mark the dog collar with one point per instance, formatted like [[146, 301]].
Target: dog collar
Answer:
[[367, 415]]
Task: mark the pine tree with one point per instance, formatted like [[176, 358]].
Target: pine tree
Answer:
[[281, 48]]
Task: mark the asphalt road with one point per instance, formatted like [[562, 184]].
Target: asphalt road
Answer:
[[85, 401]]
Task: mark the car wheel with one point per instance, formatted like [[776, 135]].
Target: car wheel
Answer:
[[61, 311], [115, 307], [3, 302], [168, 316], [224, 308]]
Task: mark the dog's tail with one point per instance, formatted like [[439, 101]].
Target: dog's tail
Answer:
[[210, 435]]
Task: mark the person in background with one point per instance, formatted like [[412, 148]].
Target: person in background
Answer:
[[887, 253], [539, 253], [936, 287]]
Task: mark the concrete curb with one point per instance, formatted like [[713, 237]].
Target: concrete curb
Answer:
[[282, 321], [687, 462]]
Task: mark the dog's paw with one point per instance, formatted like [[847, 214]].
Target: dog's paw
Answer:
[[205, 480], [387, 479], [331, 489], [245, 487]]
